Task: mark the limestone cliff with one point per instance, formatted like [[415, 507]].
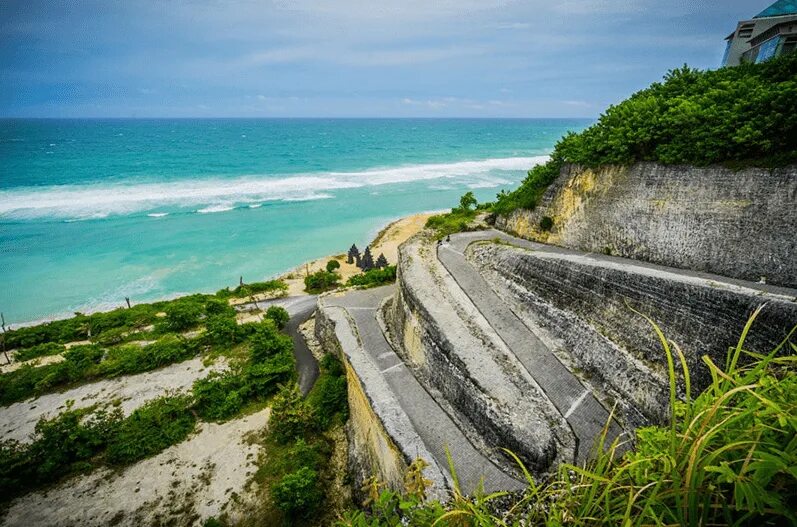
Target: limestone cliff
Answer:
[[740, 224]]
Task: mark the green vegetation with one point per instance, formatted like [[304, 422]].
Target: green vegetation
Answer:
[[727, 458], [40, 350], [332, 265], [374, 277], [278, 315], [80, 440], [321, 281], [275, 287], [459, 219], [736, 116], [299, 446]]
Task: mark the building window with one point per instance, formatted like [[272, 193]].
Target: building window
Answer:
[[746, 30], [767, 50]]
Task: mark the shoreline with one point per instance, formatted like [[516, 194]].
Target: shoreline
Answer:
[[404, 226]]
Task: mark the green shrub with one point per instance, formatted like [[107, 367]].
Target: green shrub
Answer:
[[374, 277], [130, 359], [219, 395], [457, 220], [277, 287], [321, 281], [332, 265], [297, 493], [223, 330], [291, 416], [279, 315], [264, 378], [151, 428], [182, 315], [267, 342], [736, 116], [39, 350], [329, 396], [218, 307]]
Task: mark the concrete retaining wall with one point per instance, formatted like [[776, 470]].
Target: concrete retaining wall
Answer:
[[737, 224], [447, 342], [703, 316], [382, 441]]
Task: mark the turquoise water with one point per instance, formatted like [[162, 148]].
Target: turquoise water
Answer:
[[92, 211]]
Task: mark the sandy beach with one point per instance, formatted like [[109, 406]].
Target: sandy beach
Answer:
[[386, 242]]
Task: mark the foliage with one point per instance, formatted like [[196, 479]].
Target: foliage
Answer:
[[329, 398], [61, 446], [458, 220], [546, 223], [219, 396], [151, 428], [321, 281], [467, 201], [297, 493], [39, 350], [223, 330], [267, 341], [736, 116], [727, 458], [183, 314], [276, 287], [332, 265], [28, 381], [374, 277], [291, 416], [279, 315], [132, 358]]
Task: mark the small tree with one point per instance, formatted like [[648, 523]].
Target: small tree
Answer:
[[467, 201], [268, 342], [381, 262], [297, 493], [332, 265], [279, 315], [368, 260]]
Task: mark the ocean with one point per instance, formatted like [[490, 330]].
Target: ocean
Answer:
[[93, 211]]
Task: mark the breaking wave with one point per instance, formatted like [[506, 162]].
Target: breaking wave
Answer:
[[212, 195]]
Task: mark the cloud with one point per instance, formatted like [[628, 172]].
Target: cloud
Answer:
[[577, 104]]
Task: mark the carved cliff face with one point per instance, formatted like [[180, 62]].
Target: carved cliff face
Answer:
[[736, 224]]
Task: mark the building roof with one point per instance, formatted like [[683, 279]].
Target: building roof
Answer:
[[779, 8]]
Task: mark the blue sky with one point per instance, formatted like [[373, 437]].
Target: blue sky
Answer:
[[348, 58]]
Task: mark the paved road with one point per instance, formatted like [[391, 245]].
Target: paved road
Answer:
[[300, 308], [431, 422], [580, 408]]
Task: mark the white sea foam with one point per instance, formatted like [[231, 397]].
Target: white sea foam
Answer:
[[221, 194], [158, 214]]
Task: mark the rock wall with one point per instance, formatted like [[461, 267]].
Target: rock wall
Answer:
[[451, 350], [740, 224], [703, 316], [382, 441]]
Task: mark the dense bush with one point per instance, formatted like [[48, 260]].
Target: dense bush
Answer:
[[291, 416], [151, 428], [182, 314], [332, 265], [219, 396], [267, 341], [132, 358], [279, 315], [223, 330], [297, 493], [737, 116], [276, 287], [28, 381], [39, 350], [329, 398], [457, 220], [321, 281], [374, 277]]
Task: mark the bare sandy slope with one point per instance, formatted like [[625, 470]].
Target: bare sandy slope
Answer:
[[183, 485], [386, 242], [18, 420]]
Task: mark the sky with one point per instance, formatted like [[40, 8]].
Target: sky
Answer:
[[348, 58]]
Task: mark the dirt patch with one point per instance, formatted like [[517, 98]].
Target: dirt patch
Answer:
[[185, 484], [18, 420]]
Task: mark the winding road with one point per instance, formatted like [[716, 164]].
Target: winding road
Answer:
[[435, 427]]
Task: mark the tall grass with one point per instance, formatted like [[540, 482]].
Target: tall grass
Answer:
[[728, 457]]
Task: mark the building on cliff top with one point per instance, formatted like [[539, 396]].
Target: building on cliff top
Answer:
[[771, 33]]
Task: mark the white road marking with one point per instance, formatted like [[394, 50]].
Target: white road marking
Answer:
[[576, 403]]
